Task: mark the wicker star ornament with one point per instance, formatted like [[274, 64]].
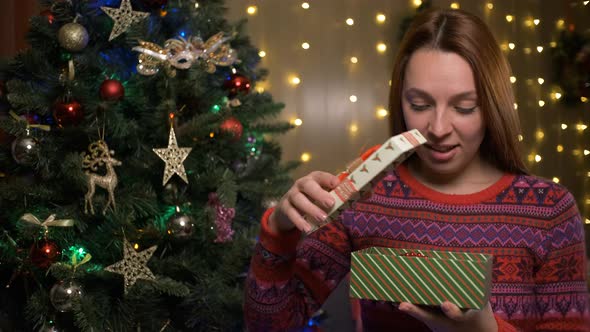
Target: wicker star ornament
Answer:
[[123, 16], [133, 266], [173, 156]]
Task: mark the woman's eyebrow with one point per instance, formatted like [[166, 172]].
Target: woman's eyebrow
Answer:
[[415, 92]]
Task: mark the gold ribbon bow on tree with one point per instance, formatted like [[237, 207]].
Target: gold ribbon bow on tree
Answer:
[[182, 53], [49, 222]]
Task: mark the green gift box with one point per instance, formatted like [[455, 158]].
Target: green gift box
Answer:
[[425, 277]]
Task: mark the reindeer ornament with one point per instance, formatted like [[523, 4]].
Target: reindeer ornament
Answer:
[[100, 155]]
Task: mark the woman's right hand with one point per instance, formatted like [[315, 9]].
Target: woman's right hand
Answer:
[[309, 198]]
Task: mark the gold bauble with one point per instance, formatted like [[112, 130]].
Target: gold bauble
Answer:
[[73, 37]]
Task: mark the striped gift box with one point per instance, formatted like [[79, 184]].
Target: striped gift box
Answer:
[[425, 277]]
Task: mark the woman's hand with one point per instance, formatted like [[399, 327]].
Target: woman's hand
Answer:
[[307, 201], [453, 320]]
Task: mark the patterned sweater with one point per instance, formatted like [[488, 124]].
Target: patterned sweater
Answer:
[[530, 225]]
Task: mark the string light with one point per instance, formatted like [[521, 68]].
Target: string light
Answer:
[[539, 49], [262, 54], [587, 221], [560, 24], [586, 3], [353, 98], [520, 138], [583, 99], [576, 152], [349, 21], [581, 127], [553, 44], [527, 50], [381, 47], [556, 95], [536, 21], [563, 126], [528, 23], [490, 5], [539, 134], [586, 152], [305, 157], [538, 158], [196, 5], [380, 18], [559, 148], [511, 46], [541, 103], [512, 79], [354, 59], [305, 5], [455, 5], [509, 18], [295, 80], [252, 10], [417, 3], [540, 80], [515, 106], [298, 122], [556, 179], [382, 112], [353, 128], [305, 46]]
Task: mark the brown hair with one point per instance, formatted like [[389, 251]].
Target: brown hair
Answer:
[[465, 34]]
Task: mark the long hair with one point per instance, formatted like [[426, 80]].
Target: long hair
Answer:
[[465, 34]]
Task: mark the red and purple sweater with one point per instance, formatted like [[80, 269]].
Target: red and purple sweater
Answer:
[[530, 225]]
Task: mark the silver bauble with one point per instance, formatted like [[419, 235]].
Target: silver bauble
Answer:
[[63, 294], [73, 37], [180, 225], [25, 150]]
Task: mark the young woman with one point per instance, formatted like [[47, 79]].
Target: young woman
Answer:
[[470, 192]]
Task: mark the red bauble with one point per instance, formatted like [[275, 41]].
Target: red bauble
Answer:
[[67, 113], [111, 90], [155, 4], [47, 13], [236, 84], [44, 253], [233, 126]]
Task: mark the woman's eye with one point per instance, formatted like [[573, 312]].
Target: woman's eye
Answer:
[[465, 110], [419, 107]]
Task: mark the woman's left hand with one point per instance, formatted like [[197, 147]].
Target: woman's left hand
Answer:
[[453, 319]]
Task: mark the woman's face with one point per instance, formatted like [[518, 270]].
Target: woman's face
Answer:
[[439, 99]]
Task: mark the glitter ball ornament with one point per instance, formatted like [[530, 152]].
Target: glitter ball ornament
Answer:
[[223, 219], [25, 150], [64, 293], [73, 37], [67, 113], [44, 253], [111, 90], [180, 225], [234, 127], [236, 84]]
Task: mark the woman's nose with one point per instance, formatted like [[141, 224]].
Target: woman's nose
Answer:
[[440, 123]]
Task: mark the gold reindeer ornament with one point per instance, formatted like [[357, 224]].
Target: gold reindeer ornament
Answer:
[[99, 156]]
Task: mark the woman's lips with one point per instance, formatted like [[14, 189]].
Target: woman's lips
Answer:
[[441, 153]]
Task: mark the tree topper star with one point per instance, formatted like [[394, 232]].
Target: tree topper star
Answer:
[[133, 265], [173, 156], [123, 16]]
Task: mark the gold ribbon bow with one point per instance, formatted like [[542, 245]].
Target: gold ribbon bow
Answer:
[[39, 126], [182, 53], [50, 221]]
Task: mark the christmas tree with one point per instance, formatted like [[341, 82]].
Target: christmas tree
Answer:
[[135, 163]]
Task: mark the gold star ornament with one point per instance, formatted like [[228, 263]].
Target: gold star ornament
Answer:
[[123, 16], [133, 266], [173, 156]]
